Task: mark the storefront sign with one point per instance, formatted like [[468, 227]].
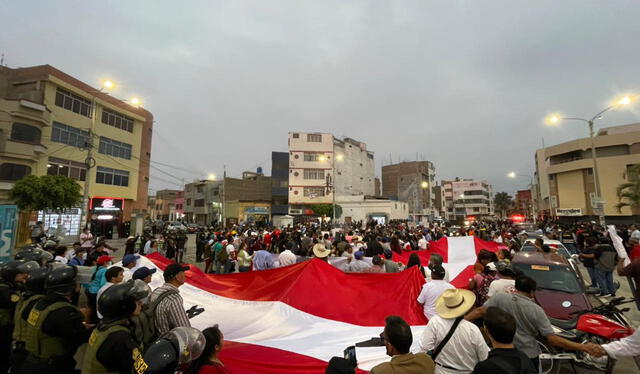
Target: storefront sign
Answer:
[[568, 212], [8, 221], [107, 204], [257, 210]]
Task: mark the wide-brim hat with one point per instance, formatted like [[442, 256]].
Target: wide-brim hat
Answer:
[[320, 251], [454, 303]]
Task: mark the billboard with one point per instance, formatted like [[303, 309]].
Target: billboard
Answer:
[[8, 220], [568, 212]]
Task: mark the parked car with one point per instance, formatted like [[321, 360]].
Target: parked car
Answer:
[[192, 227], [528, 246], [175, 225], [560, 289]]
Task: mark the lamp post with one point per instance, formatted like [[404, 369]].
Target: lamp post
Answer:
[[513, 175], [597, 204]]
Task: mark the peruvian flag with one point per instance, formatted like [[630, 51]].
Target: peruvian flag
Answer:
[[459, 254], [294, 319]]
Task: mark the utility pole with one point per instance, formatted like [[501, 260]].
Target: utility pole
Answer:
[[89, 162], [224, 189]]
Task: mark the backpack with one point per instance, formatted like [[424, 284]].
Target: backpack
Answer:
[[223, 255], [145, 327]]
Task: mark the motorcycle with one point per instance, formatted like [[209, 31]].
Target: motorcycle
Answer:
[[599, 325]]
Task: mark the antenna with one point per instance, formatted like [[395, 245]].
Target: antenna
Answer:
[[2, 59]]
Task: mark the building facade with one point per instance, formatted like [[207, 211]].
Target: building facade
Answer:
[[203, 202], [50, 119], [169, 205], [565, 180], [279, 183], [321, 165], [369, 208], [412, 182], [523, 204], [465, 198]]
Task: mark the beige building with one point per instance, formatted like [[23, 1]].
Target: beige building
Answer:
[[319, 161], [48, 120], [465, 198], [412, 182], [565, 173]]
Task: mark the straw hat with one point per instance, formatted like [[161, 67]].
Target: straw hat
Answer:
[[454, 303], [320, 251]]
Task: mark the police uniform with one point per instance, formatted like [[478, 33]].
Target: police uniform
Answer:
[[111, 349], [9, 298], [54, 331]]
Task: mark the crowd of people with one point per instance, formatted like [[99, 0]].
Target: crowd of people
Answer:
[[126, 325]]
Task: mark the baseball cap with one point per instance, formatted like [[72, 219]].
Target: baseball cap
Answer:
[[358, 255], [103, 259], [172, 270], [127, 259], [143, 272]]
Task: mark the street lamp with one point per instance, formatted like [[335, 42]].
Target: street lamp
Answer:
[[556, 118], [424, 184], [135, 102], [211, 177], [513, 175]]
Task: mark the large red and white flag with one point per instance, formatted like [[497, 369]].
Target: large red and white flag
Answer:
[[294, 319]]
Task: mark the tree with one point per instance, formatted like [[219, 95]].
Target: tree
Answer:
[[502, 201], [629, 193], [326, 210], [46, 192]]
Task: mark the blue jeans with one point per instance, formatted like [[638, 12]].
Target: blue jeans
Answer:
[[592, 276], [605, 282]]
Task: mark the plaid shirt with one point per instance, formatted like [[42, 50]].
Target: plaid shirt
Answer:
[[170, 312]]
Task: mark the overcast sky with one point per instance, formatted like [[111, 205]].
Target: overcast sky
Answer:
[[464, 84]]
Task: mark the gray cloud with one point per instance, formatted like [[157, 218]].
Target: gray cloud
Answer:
[[464, 83]]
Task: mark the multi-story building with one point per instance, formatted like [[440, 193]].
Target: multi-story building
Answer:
[[565, 180], [523, 203], [279, 183], [468, 197], [50, 119], [440, 202], [169, 205], [412, 182], [203, 202], [321, 165]]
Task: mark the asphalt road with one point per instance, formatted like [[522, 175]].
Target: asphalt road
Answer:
[[623, 366]]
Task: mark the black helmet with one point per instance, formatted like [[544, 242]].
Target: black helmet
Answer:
[[35, 283], [36, 254], [119, 300], [61, 280], [179, 346], [9, 270]]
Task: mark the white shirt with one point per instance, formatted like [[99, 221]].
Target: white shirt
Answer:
[[428, 272], [430, 293], [61, 259], [422, 244], [100, 291], [287, 258], [502, 286], [463, 351], [147, 247], [625, 347]]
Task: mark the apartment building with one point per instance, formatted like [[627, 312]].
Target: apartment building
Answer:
[[169, 205], [48, 121], [412, 182], [321, 165], [466, 198], [565, 180]]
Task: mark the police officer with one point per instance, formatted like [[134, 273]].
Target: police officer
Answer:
[[112, 347], [55, 327], [34, 291], [13, 275], [175, 350]]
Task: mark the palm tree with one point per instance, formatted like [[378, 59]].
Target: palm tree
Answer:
[[502, 201], [629, 193]]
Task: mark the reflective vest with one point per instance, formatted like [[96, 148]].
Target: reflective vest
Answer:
[[38, 343], [20, 325], [91, 365], [6, 314]]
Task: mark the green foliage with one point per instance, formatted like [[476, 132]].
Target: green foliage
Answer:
[[629, 193], [46, 192], [326, 210], [502, 201]]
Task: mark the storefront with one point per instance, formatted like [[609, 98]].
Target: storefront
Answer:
[[106, 216], [250, 212], [62, 223]]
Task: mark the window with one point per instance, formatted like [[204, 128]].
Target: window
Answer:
[[114, 148], [117, 120], [198, 203], [113, 177], [313, 191], [72, 102], [296, 136], [310, 156], [188, 202], [315, 138], [13, 172], [313, 174], [72, 169], [73, 136], [25, 133]]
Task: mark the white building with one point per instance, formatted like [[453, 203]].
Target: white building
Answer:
[[317, 161], [366, 208], [467, 197]]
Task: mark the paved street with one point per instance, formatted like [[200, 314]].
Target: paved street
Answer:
[[625, 365]]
